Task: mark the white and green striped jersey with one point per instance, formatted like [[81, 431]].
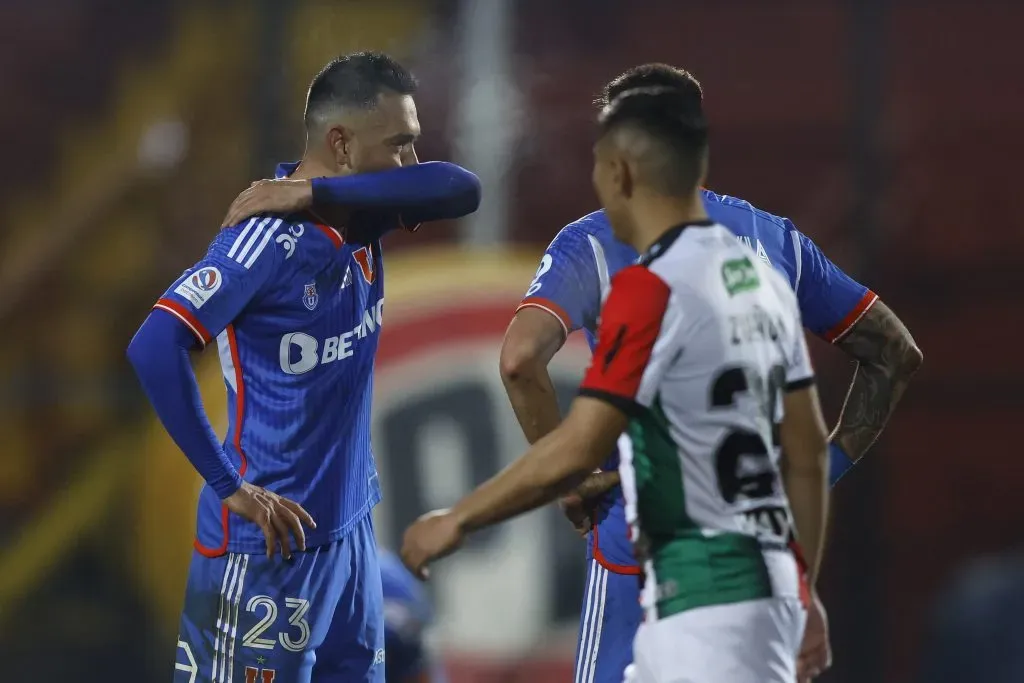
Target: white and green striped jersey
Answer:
[[697, 343]]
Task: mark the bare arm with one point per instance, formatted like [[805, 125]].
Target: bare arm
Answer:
[[805, 471], [531, 341], [552, 466], [887, 357]]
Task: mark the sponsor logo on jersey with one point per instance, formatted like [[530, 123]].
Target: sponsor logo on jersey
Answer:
[[347, 280], [288, 240], [536, 284], [378, 656], [200, 286], [309, 296], [739, 276], [300, 352], [758, 247]]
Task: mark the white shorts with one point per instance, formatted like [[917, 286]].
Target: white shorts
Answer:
[[746, 642]]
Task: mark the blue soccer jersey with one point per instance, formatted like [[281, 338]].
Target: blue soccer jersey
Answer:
[[571, 282], [296, 315]]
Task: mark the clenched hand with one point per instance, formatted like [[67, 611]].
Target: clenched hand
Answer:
[[430, 538]]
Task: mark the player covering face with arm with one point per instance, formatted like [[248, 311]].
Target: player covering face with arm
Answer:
[[361, 171], [649, 162], [295, 308]]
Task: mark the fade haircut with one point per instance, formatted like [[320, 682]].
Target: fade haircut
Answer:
[[665, 132], [654, 75], [355, 81]]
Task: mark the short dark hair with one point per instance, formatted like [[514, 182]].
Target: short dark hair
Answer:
[[666, 116], [355, 80], [653, 75]]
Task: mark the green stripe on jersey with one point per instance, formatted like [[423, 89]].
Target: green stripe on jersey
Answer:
[[692, 567], [661, 498], [698, 571]]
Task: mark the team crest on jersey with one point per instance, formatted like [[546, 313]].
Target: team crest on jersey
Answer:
[[309, 296]]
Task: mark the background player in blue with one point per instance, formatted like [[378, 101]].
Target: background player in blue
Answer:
[[407, 614], [296, 309], [566, 295]]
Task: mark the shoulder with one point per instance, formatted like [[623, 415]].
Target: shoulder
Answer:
[[638, 283], [264, 240], [579, 241], [724, 208], [594, 225]]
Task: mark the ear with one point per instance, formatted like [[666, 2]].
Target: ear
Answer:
[[625, 176], [339, 142]]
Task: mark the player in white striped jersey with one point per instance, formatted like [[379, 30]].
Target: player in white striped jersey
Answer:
[[702, 374]]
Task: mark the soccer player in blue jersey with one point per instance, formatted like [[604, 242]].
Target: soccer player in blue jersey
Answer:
[[407, 613], [566, 295], [295, 307]]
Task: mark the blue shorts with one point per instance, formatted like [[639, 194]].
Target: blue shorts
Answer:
[[317, 618], [611, 615]]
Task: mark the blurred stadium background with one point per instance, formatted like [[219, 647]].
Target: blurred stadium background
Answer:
[[889, 131]]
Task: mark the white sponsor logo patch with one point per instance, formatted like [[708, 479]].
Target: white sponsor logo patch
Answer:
[[200, 286]]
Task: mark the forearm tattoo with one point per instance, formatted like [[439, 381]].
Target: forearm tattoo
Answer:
[[887, 358]]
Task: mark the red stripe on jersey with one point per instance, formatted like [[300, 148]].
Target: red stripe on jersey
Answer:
[[549, 306], [630, 324], [843, 327], [185, 316], [627, 569], [801, 563], [333, 235], [237, 440]]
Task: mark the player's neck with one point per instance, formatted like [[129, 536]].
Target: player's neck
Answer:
[[659, 214], [311, 167]]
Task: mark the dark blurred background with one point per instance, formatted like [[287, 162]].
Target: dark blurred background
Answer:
[[890, 132]]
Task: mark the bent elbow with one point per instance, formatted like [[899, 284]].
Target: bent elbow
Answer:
[[466, 188], [136, 352], [901, 356], [911, 358], [518, 361], [470, 192]]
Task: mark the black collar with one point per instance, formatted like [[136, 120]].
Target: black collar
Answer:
[[662, 244]]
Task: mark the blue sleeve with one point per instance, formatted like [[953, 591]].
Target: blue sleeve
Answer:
[[567, 283], [430, 191], [211, 294], [831, 302], [159, 352]]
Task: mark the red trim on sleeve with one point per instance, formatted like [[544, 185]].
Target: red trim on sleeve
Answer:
[[185, 316], [627, 569], [551, 307], [852, 318], [630, 324], [236, 440]]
